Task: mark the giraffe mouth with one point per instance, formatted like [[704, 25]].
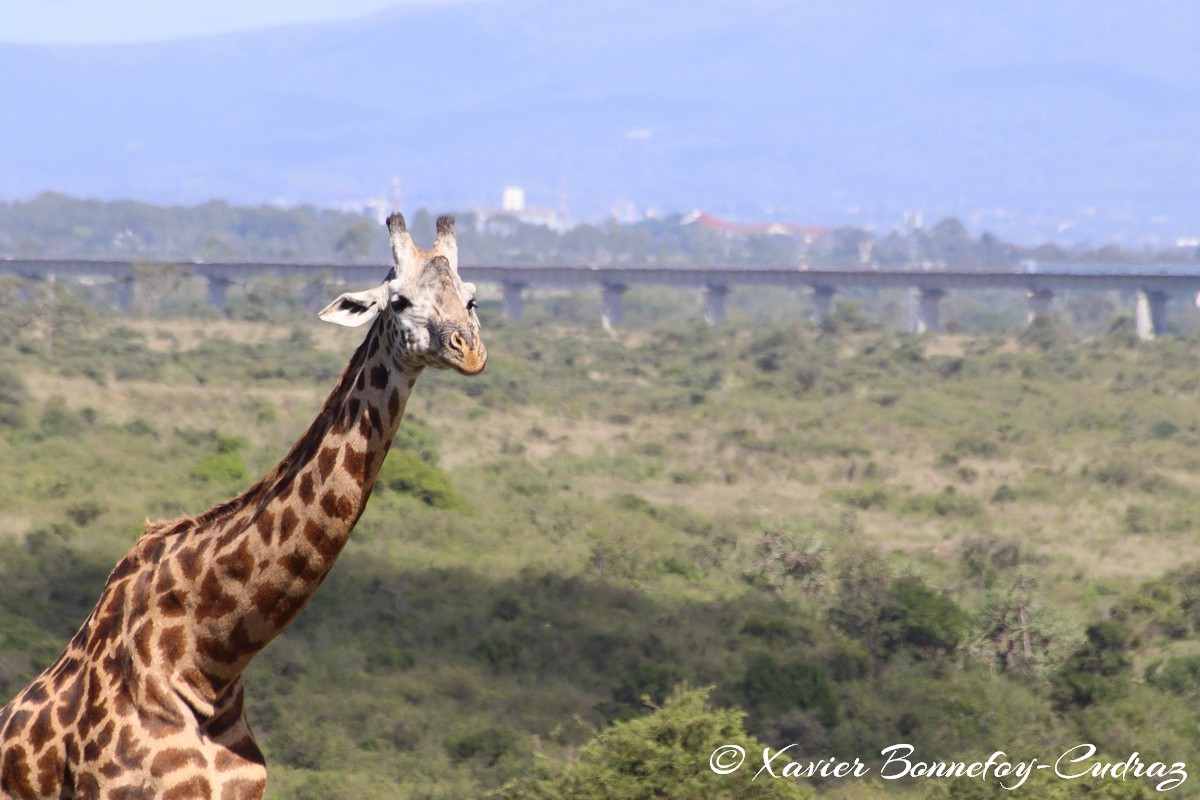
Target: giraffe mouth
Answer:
[[472, 367], [472, 362]]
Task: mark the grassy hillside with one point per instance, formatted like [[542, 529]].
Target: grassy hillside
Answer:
[[967, 543]]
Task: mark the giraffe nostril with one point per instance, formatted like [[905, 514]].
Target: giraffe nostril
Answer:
[[458, 342]]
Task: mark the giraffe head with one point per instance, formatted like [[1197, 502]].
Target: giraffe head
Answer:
[[426, 312]]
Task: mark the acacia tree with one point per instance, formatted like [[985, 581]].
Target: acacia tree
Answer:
[[39, 305]]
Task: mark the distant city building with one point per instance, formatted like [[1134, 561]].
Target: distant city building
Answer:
[[512, 205], [514, 200]]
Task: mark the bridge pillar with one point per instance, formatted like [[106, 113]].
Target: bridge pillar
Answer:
[[928, 315], [714, 304], [1151, 314], [822, 303], [613, 292], [512, 299], [218, 291], [1041, 301]]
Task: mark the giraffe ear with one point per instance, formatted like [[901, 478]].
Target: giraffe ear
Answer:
[[353, 308]]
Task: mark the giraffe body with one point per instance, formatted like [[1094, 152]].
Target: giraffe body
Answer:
[[146, 701]]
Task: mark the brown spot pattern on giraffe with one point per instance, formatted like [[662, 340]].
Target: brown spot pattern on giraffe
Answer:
[[336, 506], [189, 562], [172, 759], [15, 775], [131, 793], [287, 524], [265, 525], [327, 461], [355, 463], [42, 729], [307, 491], [238, 565], [171, 603], [50, 768], [217, 602], [195, 788], [172, 644]]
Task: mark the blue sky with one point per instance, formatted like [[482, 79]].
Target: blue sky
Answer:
[[113, 21]]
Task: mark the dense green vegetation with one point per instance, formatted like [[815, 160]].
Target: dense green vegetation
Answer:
[[853, 537], [54, 225]]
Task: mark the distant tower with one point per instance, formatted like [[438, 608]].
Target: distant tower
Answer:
[[514, 199], [913, 224]]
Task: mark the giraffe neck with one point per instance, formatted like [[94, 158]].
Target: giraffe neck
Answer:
[[160, 657], [233, 578]]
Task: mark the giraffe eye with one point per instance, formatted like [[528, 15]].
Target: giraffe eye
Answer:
[[471, 305], [400, 303]]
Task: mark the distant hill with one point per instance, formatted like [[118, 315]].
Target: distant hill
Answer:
[[1077, 120]]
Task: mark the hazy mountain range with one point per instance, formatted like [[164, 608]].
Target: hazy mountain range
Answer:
[[1066, 120]]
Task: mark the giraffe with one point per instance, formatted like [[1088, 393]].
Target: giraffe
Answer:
[[146, 701]]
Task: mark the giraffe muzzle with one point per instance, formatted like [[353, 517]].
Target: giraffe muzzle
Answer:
[[468, 356]]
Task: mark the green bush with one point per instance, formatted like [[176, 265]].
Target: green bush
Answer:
[[633, 502], [406, 472], [865, 498], [224, 466], [83, 513], [768, 627], [1178, 675], [499, 652], [917, 617], [638, 683], [487, 746], [947, 503], [976, 446], [59, 420], [1163, 429], [1155, 607], [771, 685], [1096, 671], [416, 437], [983, 556], [1119, 471], [1044, 333], [1004, 494], [390, 657], [664, 755]]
